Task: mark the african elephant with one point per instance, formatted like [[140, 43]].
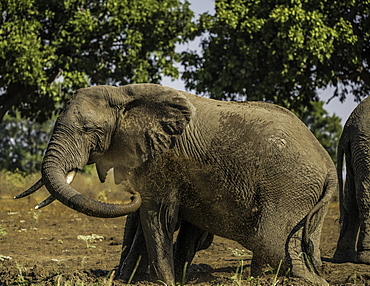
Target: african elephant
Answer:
[[251, 172], [354, 240]]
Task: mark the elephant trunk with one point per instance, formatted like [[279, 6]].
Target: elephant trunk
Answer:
[[54, 172]]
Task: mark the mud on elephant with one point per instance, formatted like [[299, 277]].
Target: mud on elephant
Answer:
[[251, 172], [354, 240]]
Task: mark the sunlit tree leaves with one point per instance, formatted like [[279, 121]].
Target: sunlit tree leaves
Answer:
[[282, 51], [49, 48]]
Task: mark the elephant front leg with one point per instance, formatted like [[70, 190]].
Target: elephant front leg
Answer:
[[159, 224], [134, 257]]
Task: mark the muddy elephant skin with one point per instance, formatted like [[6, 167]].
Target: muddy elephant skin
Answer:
[[251, 172], [354, 240]]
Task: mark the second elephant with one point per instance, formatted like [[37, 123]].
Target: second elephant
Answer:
[[354, 240]]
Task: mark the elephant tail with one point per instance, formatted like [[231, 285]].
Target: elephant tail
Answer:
[[316, 216]]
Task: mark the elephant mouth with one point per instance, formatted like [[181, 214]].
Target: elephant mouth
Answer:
[[103, 166]]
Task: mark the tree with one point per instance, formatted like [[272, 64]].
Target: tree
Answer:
[[282, 51], [49, 48], [327, 129]]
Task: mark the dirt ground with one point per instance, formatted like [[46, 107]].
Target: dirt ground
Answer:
[[58, 246]]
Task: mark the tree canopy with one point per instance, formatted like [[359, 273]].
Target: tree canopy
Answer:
[[257, 50], [282, 51], [49, 48]]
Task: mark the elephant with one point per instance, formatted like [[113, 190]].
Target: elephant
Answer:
[[251, 172], [354, 196]]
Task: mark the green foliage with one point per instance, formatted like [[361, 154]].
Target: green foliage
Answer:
[[282, 51], [327, 129], [49, 48], [3, 231], [22, 144]]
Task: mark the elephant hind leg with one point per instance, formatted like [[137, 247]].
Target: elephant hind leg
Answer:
[[268, 249], [350, 223], [257, 264], [363, 243], [315, 241], [302, 264]]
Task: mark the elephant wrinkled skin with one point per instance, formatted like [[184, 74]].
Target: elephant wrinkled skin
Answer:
[[354, 240], [251, 172]]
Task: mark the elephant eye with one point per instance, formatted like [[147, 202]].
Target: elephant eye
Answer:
[[91, 129], [88, 129]]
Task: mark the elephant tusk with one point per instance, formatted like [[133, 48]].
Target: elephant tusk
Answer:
[[31, 190], [45, 202], [69, 178]]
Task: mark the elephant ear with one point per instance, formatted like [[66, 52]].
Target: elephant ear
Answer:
[[152, 119]]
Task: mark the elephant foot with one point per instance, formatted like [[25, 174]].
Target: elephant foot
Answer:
[[363, 257], [343, 257], [132, 269], [301, 270], [257, 264], [129, 276], [315, 279], [316, 261]]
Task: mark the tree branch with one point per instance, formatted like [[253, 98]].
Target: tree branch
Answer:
[[360, 73], [365, 76]]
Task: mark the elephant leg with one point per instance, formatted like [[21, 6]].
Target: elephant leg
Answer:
[[315, 243], [159, 222], [301, 262], [134, 257], [350, 222], [257, 264], [313, 250], [268, 248], [271, 255], [268, 244], [190, 239], [363, 243]]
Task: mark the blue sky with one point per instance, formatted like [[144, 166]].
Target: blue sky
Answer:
[[343, 110]]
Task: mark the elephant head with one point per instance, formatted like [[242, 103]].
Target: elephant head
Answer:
[[113, 127]]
